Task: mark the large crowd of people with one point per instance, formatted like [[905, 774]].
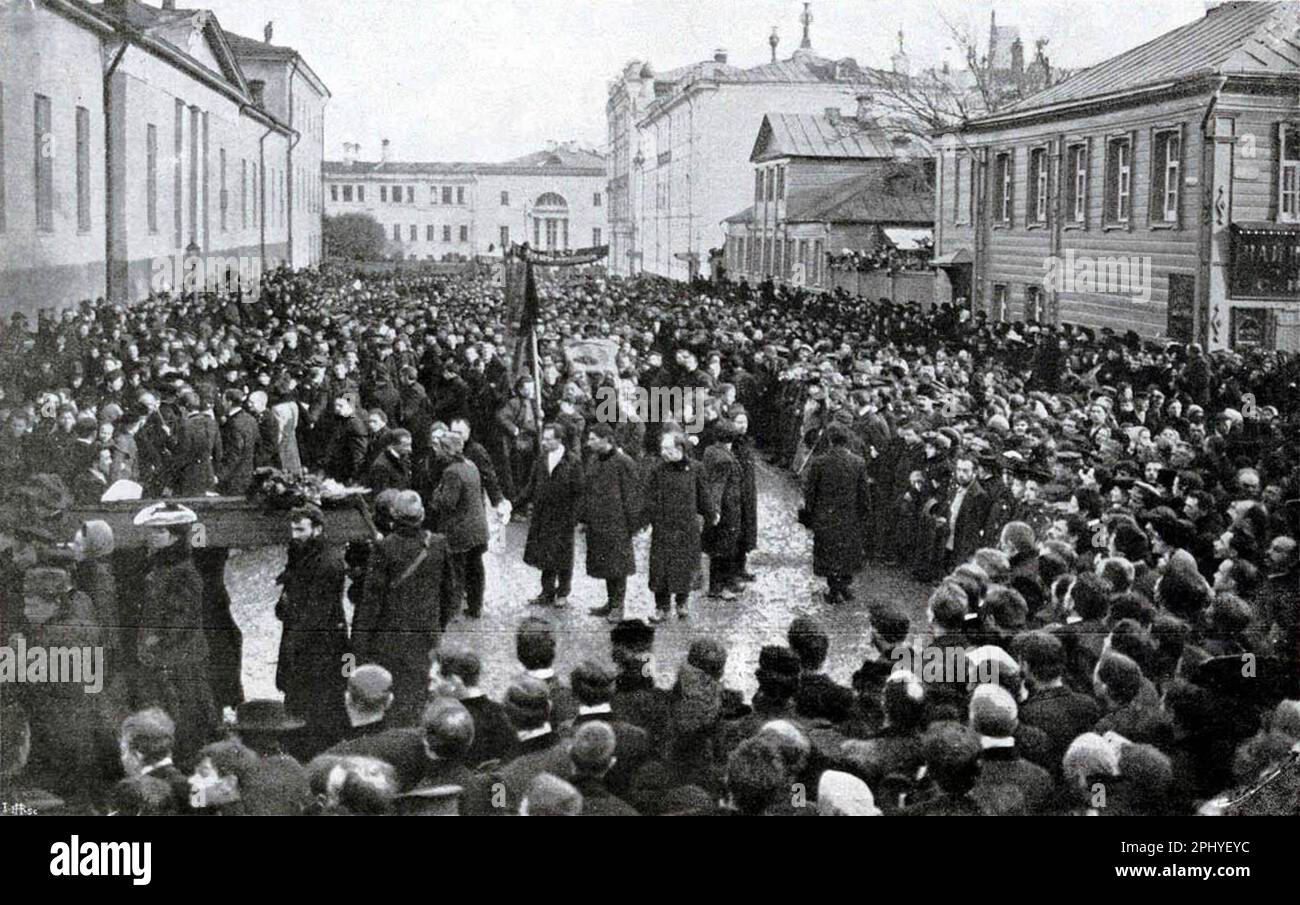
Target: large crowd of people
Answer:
[[1108, 524]]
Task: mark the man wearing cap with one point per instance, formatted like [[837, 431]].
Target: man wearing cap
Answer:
[[993, 716], [171, 647], [314, 639], [409, 581], [541, 749]]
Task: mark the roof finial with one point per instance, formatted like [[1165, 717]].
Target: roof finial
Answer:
[[806, 19], [773, 39], [900, 40]]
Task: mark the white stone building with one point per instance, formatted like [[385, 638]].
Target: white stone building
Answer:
[[131, 143], [680, 143], [436, 211]]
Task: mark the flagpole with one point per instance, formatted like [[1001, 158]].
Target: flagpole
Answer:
[[530, 277]]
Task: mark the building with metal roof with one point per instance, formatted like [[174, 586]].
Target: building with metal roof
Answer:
[[1157, 191]]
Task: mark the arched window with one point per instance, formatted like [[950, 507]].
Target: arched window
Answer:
[[551, 222]]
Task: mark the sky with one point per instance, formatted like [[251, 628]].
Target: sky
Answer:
[[489, 80]]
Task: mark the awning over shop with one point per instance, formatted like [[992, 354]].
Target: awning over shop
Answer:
[[952, 258], [908, 238]]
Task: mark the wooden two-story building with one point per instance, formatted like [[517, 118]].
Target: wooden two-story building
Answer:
[[1157, 191], [824, 184]]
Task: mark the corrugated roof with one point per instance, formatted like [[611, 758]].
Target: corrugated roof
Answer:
[[1237, 37], [888, 193], [820, 135]]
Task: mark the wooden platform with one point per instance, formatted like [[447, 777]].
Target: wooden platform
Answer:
[[225, 521]]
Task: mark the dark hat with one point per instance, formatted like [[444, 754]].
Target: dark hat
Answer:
[[528, 702], [265, 715], [592, 682], [778, 661], [633, 635]]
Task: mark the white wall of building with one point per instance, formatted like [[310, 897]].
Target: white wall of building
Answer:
[[47, 54]]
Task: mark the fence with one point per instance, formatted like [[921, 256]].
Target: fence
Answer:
[[903, 286]]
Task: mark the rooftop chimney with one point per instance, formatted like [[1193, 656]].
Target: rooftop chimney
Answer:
[[806, 19], [864, 112], [833, 114], [256, 87], [169, 5], [385, 148], [720, 55], [772, 41], [350, 152], [266, 32]]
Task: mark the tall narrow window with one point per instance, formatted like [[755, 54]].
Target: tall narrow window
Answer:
[[1119, 180], [505, 237], [397, 232], [2, 158], [1166, 163], [596, 200], [414, 232], [222, 198], [446, 233], [960, 190], [151, 176], [347, 193], [410, 194], [1037, 209], [505, 199], [758, 185], [446, 194], [243, 193], [1288, 176], [383, 194], [999, 302], [595, 236], [464, 234], [334, 192], [44, 147], [780, 182], [83, 170], [460, 194], [1004, 174], [428, 232], [178, 186], [1076, 183]]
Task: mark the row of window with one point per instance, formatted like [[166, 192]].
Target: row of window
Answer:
[[45, 153], [1118, 183], [555, 231], [405, 194], [769, 184], [778, 257], [46, 159]]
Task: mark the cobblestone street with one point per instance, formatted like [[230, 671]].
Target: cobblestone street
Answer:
[[785, 588]]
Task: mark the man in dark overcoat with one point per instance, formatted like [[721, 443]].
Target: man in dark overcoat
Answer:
[[835, 507], [676, 495], [314, 639], [172, 649], [240, 434], [408, 582], [611, 506], [555, 493], [721, 540]]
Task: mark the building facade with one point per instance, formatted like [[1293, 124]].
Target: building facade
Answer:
[[436, 211], [293, 93], [156, 168], [1158, 191], [826, 184], [680, 141]]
